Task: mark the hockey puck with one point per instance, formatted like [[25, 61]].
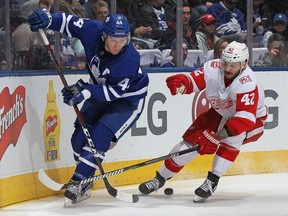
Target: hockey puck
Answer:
[[168, 191]]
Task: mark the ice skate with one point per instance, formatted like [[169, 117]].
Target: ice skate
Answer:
[[152, 185], [207, 188], [77, 193]]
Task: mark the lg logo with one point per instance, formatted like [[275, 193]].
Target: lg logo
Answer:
[[199, 105], [272, 110]]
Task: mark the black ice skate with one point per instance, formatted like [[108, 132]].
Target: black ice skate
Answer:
[[207, 188], [152, 185], [77, 193]]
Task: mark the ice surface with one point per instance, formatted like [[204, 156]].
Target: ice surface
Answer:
[[247, 195]]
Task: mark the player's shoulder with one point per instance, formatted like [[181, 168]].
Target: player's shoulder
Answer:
[[245, 82], [92, 24], [213, 65], [127, 61], [132, 52]]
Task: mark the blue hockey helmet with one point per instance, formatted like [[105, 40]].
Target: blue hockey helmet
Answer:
[[116, 25]]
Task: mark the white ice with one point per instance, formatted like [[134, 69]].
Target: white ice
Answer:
[[247, 195]]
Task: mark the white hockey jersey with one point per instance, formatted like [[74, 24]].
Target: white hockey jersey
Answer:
[[242, 100]]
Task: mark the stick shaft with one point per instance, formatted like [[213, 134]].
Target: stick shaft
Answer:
[[112, 191]]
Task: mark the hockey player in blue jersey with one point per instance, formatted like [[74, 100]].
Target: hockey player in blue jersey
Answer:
[[114, 97]]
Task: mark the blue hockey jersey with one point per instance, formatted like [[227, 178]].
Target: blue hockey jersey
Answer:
[[113, 77], [227, 22]]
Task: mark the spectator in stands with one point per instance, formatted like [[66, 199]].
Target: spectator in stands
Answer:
[[100, 10], [277, 53], [69, 55], [22, 38], [88, 6], [153, 17], [230, 20], [16, 18], [73, 7], [123, 7], [219, 46], [188, 33], [258, 22], [279, 26], [24, 41], [2, 14], [206, 33], [48, 4], [3, 62], [198, 8], [173, 52]]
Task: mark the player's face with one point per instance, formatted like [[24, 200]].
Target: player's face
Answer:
[[231, 69], [114, 44]]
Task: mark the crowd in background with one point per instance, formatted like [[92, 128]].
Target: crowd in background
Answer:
[[153, 26]]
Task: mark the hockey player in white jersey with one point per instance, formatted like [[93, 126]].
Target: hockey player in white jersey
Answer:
[[236, 117]]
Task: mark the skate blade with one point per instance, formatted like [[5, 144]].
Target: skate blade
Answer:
[[198, 199], [68, 202]]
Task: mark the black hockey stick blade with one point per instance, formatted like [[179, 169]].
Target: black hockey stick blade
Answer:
[[53, 185]]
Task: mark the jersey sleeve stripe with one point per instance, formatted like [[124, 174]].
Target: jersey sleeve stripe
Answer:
[[128, 94], [106, 93], [195, 87], [115, 94], [255, 132], [139, 92], [67, 28], [63, 23], [245, 115]]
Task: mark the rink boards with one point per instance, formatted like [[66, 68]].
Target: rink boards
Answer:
[[164, 119]]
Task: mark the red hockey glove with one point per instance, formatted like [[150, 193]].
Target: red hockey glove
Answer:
[[208, 143], [179, 83]]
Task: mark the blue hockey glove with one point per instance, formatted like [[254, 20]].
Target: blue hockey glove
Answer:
[[76, 93], [40, 19]]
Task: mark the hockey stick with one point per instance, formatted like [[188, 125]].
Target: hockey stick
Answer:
[[111, 190], [48, 182]]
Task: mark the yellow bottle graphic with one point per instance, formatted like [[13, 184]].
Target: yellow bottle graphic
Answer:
[[51, 126]]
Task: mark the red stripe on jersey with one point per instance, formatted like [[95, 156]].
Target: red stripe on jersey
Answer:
[[245, 102], [257, 131], [238, 125], [198, 77], [227, 152], [172, 165]]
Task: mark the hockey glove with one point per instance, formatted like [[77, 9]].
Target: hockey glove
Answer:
[[180, 83], [40, 19], [208, 143], [75, 94]]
